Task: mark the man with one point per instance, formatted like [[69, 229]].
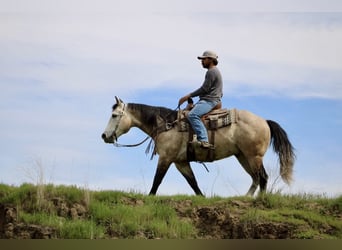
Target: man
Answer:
[[210, 94]]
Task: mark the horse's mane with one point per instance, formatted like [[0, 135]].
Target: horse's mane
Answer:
[[150, 113]]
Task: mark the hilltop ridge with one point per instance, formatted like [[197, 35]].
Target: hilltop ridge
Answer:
[[68, 212]]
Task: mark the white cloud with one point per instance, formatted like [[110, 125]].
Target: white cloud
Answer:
[[279, 41], [87, 52], [172, 5]]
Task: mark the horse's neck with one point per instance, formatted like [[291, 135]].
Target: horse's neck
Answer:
[[139, 118]]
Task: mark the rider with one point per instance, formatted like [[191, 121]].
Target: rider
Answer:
[[210, 94]]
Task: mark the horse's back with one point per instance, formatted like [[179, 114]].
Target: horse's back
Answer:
[[251, 118]]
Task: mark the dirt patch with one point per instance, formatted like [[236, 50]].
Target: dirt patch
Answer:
[[221, 222], [74, 211], [11, 229]]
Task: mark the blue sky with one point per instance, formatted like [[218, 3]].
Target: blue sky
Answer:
[[62, 63]]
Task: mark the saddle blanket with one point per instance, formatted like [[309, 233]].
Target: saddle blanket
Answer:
[[214, 120]]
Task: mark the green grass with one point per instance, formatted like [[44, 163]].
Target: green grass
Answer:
[[151, 219], [66, 228], [313, 215], [116, 214]]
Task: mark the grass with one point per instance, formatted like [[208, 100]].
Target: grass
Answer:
[[76, 213], [66, 228], [151, 219]]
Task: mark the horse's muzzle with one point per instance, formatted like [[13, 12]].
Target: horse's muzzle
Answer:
[[108, 139]]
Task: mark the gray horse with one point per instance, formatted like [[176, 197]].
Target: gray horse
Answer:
[[247, 139]]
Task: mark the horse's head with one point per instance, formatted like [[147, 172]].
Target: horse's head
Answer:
[[119, 122]]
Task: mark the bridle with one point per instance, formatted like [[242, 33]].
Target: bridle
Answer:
[[120, 115]]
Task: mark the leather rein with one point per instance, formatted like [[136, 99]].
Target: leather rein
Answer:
[[137, 144]]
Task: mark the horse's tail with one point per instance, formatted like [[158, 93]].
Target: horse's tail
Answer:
[[283, 147]]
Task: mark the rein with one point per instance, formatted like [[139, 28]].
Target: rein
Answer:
[[130, 145], [118, 145]]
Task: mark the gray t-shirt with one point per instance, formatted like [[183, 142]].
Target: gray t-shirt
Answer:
[[211, 89]]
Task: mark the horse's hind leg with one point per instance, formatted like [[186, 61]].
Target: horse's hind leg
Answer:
[[263, 178], [255, 168], [245, 164], [188, 174]]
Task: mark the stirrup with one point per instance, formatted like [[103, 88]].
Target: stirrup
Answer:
[[205, 144]]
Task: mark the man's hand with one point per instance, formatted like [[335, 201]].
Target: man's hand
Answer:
[[183, 99]]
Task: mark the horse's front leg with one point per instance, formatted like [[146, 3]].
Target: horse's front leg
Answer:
[[162, 168], [186, 171]]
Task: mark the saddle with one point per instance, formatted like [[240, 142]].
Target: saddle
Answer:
[[214, 120]]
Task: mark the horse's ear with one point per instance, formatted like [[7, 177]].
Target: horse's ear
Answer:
[[118, 100]]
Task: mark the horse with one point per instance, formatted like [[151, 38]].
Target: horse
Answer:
[[248, 140]]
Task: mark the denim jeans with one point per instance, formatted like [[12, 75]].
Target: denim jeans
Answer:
[[201, 108]]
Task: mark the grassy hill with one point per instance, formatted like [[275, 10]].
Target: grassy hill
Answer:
[[68, 212]]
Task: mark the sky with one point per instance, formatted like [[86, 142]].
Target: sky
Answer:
[[63, 62]]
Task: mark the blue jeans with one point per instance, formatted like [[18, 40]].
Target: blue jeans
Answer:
[[201, 108]]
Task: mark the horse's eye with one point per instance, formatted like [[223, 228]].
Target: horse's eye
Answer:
[[114, 115]]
